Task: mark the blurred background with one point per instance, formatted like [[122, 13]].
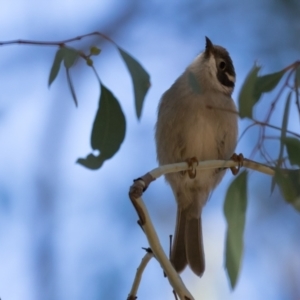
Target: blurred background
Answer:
[[70, 233]]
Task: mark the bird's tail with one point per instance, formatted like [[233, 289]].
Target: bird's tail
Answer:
[[188, 244]]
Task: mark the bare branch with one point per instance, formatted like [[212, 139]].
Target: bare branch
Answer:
[[140, 184], [138, 275]]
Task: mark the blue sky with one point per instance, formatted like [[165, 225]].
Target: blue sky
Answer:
[[68, 232]]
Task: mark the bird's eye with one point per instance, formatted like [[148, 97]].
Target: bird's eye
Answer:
[[222, 65]]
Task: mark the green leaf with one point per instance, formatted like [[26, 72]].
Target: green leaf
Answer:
[[289, 184], [193, 82], [70, 56], [297, 77], [140, 79], [71, 87], [247, 98], [284, 128], [235, 212], [108, 130], [253, 88], [293, 150], [59, 56], [282, 138], [267, 83]]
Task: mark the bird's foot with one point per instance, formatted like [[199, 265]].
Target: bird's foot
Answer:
[[193, 163], [237, 158]]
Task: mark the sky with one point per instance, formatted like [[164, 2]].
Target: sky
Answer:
[[69, 232]]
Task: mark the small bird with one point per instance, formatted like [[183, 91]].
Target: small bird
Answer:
[[196, 119]]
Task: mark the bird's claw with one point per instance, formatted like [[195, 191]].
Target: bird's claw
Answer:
[[237, 158], [193, 163]]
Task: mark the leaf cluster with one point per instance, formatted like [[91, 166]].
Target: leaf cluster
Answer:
[[109, 127], [288, 180]]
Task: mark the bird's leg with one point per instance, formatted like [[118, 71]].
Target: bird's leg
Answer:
[[237, 158]]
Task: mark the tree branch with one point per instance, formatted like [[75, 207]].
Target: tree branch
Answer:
[[138, 275], [141, 184]]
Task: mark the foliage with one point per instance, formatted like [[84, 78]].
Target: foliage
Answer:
[[109, 129], [288, 180], [235, 206]]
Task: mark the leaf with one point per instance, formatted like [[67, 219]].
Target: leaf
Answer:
[[293, 150], [289, 184], [59, 56], [108, 130], [70, 56], [297, 77], [284, 127], [235, 212], [282, 138], [193, 82], [247, 97], [253, 88], [267, 83], [71, 87], [140, 79]]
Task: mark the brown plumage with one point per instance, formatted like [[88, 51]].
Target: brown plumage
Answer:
[[187, 128]]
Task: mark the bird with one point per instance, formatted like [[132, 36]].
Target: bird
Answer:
[[196, 119]]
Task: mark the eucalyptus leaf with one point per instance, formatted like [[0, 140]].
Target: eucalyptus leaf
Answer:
[[297, 77], [284, 125], [235, 212], [293, 150], [140, 79], [267, 83], [282, 138], [59, 56], [289, 184], [108, 130], [194, 84], [70, 56], [247, 98]]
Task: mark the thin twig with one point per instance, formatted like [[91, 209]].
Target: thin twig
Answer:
[[138, 275], [263, 124], [57, 43]]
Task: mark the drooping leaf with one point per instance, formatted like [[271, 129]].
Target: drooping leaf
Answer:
[[59, 56], [297, 77], [140, 79], [293, 150], [70, 56], [284, 127], [282, 138], [71, 87], [267, 83], [235, 212], [289, 184], [247, 98], [108, 130], [193, 82]]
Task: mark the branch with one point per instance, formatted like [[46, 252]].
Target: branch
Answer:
[[57, 43], [141, 184], [138, 275], [212, 164], [154, 243]]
